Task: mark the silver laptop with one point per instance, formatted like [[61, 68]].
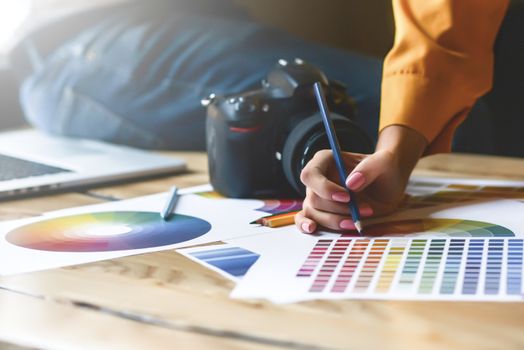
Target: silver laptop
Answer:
[[32, 162]]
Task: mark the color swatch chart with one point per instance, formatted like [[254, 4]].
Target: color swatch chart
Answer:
[[234, 261], [437, 268]]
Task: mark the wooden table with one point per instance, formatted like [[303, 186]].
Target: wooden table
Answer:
[[163, 300]]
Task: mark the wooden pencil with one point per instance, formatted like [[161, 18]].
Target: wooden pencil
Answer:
[[283, 220], [277, 220]]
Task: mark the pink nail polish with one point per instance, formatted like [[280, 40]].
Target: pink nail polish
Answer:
[[340, 197], [347, 225], [306, 227], [355, 180]]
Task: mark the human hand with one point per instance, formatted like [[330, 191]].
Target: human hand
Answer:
[[378, 179]]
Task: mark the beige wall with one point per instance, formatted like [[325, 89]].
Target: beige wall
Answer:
[[362, 25]]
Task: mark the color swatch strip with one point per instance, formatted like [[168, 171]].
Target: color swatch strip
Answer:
[[411, 264], [330, 265], [391, 265], [314, 258], [235, 261], [350, 265], [452, 268], [473, 265], [441, 267], [433, 260], [372, 261], [494, 266], [514, 277]]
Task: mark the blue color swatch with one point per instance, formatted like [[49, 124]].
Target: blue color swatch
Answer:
[[235, 261], [514, 277], [452, 269], [494, 266]]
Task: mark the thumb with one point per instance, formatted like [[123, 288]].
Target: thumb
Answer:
[[368, 170]]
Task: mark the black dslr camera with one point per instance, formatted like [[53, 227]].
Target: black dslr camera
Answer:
[[259, 141]]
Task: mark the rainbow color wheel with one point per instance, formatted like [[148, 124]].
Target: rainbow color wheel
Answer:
[[107, 231], [437, 227]]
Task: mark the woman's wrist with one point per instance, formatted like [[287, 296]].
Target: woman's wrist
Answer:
[[405, 144]]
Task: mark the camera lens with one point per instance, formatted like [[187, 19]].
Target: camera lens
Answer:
[[309, 136]]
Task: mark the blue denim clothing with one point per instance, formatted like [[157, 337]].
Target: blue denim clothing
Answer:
[[137, 76]]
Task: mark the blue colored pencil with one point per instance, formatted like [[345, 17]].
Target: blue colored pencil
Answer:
[[335, 147], [171, 203]]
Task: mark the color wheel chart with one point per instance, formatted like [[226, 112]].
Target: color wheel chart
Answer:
[[440, 227], [107, 231], [398, 268]]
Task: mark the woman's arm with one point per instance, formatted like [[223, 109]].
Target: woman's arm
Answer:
[[441, 62]]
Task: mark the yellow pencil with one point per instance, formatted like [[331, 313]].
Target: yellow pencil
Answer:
[[277, 220], [283, 220]]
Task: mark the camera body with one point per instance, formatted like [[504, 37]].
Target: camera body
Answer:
[[259, 141]]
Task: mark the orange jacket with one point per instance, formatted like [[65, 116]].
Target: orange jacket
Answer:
[[440, 64]]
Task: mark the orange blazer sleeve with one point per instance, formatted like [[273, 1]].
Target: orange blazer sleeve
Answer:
[[440, 64]]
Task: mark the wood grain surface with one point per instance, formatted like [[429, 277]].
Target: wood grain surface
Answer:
[[162, 300]]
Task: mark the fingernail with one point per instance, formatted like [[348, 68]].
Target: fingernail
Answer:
[[306, 227], [366, 211], [347, 225], [355, 180], [340, 197]]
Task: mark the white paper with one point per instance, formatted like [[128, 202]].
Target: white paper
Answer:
[[229, 218], [283, 254]]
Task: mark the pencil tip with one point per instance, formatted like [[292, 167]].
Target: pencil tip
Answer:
[[358, 225]]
